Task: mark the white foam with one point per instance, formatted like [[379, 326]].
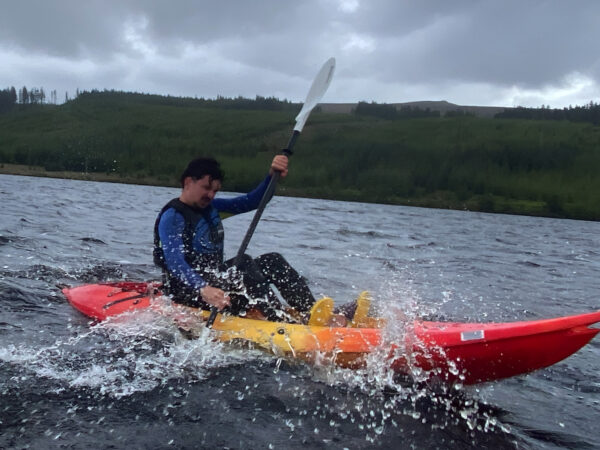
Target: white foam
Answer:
[[132, 353]]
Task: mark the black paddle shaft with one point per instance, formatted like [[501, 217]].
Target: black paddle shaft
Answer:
[[257, 215], [264, 200]]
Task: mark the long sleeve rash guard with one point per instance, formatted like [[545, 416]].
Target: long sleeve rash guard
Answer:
[[172, 225]]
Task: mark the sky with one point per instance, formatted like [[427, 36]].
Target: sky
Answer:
[[468, 52]]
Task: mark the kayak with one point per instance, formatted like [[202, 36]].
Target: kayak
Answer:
[[451, 352]]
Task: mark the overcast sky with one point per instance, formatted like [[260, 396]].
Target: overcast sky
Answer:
[[495, 53]]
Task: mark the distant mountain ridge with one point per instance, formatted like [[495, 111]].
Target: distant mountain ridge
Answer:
[[442, 106]]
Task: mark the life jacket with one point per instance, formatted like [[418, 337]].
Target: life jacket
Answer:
[[192, 217]]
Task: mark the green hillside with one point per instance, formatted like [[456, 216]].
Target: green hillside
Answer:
[[537, 167]]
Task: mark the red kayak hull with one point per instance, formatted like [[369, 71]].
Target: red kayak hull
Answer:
[[475, 353], [452, 352]]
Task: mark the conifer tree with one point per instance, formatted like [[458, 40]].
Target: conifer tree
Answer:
[[24, 96]]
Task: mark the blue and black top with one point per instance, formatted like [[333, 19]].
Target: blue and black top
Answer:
[[188, 242]]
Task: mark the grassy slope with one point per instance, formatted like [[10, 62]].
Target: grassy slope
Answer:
[[526, 167]]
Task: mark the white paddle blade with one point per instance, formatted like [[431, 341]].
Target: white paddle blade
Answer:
[[318, 88]]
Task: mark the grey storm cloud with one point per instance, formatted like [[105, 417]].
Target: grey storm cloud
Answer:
[[468, 52]]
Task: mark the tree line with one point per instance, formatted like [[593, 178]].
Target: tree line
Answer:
[[387, 111], [586, 113], [10, 97], [222, 102]]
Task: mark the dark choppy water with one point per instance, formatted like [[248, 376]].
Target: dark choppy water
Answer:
[[138, 383]]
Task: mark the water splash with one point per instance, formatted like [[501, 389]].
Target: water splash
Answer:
[[133, 352], [377, 397], [138, 352]]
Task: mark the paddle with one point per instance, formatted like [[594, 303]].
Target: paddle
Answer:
[[316, 92]]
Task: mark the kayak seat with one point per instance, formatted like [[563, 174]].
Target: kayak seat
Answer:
[[321, 312], [361, 318], [361, 313]]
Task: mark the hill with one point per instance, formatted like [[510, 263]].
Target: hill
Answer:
[[537, 167]]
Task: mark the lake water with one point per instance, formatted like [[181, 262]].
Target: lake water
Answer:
[[67, 383]]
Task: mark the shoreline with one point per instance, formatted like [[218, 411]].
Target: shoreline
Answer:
[[38, 171], [440, 200]]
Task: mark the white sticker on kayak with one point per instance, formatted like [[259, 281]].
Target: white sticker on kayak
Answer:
[[472, 335]]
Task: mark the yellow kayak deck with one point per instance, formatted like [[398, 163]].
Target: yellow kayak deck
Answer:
[[362, 334]]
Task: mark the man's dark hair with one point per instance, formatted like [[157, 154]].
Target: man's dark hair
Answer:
[[200, 167]]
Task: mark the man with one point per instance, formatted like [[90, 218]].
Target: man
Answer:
[[188, 246]]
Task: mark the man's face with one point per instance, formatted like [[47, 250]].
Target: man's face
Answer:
[[201, 191]]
